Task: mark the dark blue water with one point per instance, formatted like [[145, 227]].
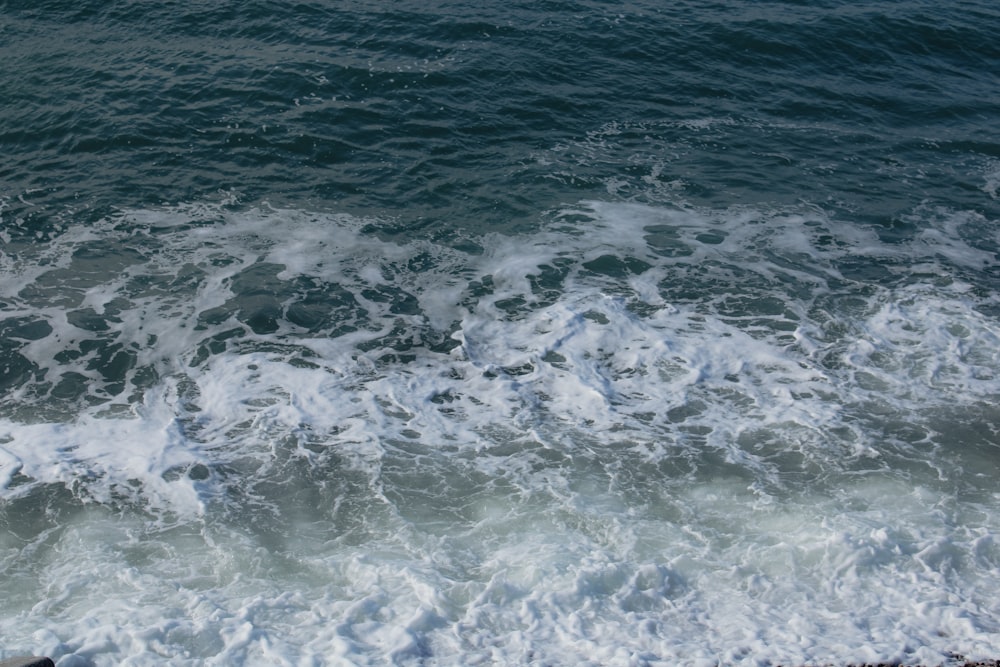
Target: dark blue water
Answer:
[[520, 333], [440, 115]]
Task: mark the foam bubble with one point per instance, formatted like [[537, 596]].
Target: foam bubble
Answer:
[[991, 179]]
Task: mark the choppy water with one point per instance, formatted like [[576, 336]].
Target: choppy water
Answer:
[[529, 333]]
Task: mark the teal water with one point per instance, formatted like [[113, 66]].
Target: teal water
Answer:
[[527, 333], [441, 115]]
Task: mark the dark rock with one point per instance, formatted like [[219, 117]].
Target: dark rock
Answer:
[[27, 661]]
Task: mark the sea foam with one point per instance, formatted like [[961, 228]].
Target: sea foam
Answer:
[[636, 435]]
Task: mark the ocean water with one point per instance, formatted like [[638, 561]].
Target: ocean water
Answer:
[[522, 333]]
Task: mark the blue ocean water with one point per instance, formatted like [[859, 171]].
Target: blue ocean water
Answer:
[[524, 334]]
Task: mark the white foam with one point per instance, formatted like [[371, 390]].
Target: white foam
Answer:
[[991, 179], [10, 465], [639, 435]]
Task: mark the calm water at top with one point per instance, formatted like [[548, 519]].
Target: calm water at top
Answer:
[[461, 114]]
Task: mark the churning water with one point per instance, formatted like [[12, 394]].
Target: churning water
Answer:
[[528, 333]]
